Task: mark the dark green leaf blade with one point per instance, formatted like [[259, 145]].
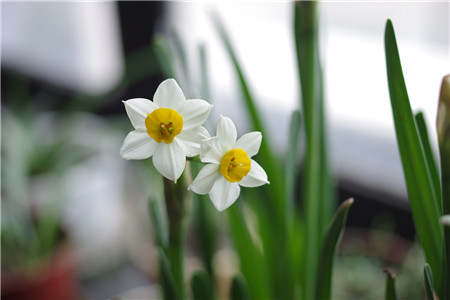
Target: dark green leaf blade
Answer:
[[291, 159], [239, 288], [202, 286], [316, 184], [252, 263], [429, 158], [390, 291], [443, 131], [420, 191], [327, 254], [428, 275], [167, 282]]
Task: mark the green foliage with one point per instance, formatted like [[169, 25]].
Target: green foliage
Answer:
[[327, 254], [443, 131], [239, 289], [428, 275], [316, 186], [420, 188], [202, 286], [391, 292]]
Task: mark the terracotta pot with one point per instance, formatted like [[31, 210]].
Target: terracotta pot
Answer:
[[55, 279]]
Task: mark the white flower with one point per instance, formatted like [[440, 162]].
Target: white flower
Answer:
[[229, 165], [167, 128]]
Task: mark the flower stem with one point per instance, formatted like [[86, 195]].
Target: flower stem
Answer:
[[177, 206]]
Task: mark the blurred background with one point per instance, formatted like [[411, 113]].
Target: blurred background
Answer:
[[66, 67]]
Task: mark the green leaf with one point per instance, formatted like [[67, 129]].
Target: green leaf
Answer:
[[272, 197], [291, 160], [429, 158], [252, 263], [418, 180], [428, 275], [267, 159], [316, 185], [239, 288], [164, 55], [202, 286], [158, 217], [390, 293], [167, 282], [327, 254], [443, 131]]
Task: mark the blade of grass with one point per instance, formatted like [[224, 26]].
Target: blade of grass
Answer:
[[268, 159], [428, 275], [202, 286], [390, 291], [167, 282], [239, 289], [419, 186], [443, 131], [327, 254], [159, 221], [291, 161], [252, 263], [275, 240], [429, 159], [316, 187]]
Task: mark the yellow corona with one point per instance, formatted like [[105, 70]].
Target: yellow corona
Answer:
[[235, 165], [164, 124]]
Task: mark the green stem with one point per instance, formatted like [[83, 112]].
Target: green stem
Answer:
[[177, 206]]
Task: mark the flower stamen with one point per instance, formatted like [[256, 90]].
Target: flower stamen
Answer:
[[235, 165], [163, 124]]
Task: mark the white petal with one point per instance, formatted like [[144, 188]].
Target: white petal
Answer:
[[138, 145], [169, 94], [137, 110], [205, 179], [195, 112], [250, 143], [191, 139], [224, 193], [169, 160], [256, 177], [212, 150], [226, 131]]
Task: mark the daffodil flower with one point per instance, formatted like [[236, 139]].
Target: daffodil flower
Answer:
[[168, 129], [229, 165]]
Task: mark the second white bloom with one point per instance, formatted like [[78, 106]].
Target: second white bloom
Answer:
[[229, 165]]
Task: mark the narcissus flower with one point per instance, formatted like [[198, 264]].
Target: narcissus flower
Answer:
[[229, 165], [168, 129]]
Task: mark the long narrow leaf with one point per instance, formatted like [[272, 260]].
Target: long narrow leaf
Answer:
[[327, 254], [316, 180], [429, 159], [159, 223], [418, 182], [390, 291], [202, 286], [253, 266], [167, 282], [428, 275], [443, 131], [291, 159], [273, 196], [239, 288], [268, 159]]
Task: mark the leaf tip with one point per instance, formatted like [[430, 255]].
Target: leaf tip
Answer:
[[389, 272], [347, 203]]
